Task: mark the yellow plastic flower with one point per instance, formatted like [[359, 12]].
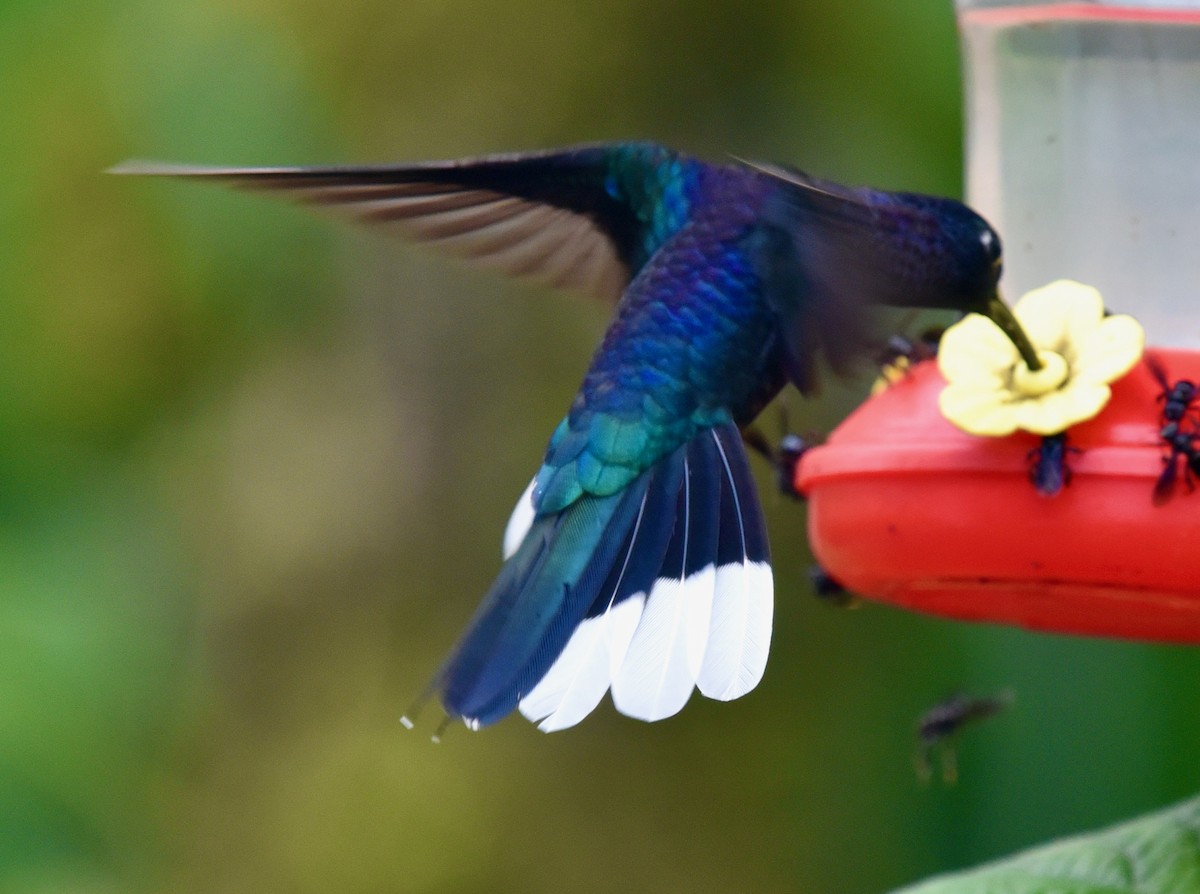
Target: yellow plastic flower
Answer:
[[990, 391]]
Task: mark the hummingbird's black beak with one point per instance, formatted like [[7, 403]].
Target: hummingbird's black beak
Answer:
[[997, 311]]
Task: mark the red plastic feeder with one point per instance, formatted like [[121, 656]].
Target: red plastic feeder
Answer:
[[907, 509]]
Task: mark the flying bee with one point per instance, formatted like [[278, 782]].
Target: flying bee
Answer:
[[941, 725], [1048, 467]]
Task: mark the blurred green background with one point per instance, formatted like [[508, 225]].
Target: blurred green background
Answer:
[[254, 468]]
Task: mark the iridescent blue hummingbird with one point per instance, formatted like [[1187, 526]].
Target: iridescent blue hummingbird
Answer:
[[637, 559]]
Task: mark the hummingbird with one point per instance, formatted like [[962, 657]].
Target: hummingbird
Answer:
[[637, 559]]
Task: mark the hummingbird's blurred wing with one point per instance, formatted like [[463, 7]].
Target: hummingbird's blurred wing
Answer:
[[832, 251], [846, 237], [544, 216], [818, 272]]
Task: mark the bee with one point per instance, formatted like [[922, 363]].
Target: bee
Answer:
[[1177, 398], [785, 457], [1181, 444], [901, 353], [1178, 401], [829, 589], [1048, 468], [941, 725]]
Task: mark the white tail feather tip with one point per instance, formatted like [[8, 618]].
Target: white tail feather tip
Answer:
[[658, 674], [519, 522], [578, 679], [740, 634]]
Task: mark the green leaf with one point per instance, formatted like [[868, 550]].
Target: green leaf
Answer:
[[1156, 854]]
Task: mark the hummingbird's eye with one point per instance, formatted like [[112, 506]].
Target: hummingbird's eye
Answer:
[[990, 244]]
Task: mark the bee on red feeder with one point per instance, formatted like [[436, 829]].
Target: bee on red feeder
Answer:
[[829, 590], [783, 458], [1178, 407], [1178, 398], [1181, 444], [902, 353], [1048, 468]]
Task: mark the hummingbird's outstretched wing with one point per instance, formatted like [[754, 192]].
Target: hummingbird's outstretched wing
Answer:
[[546, 216]]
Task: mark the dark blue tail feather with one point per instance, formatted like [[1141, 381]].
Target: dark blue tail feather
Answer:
[[743, 528], [694, 545], [646, 543]]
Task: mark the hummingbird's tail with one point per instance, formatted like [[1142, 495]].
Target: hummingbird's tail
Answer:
[[658, 589]]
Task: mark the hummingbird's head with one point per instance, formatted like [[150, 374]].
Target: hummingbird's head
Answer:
[[945, 254], [950, 258], [894, 248]]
